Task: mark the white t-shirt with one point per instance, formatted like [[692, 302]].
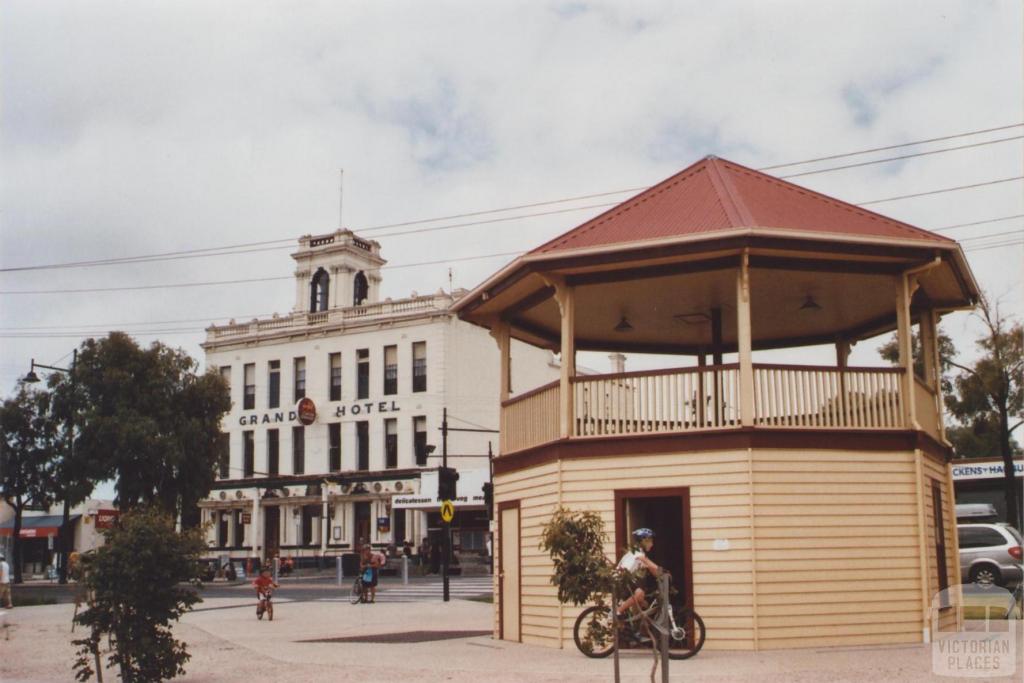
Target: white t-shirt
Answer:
[[5, 572], [630, 562]]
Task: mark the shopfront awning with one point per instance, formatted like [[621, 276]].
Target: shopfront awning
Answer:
[[470, 489], [36, 526]]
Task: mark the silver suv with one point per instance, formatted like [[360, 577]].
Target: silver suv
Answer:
[[990, 554]]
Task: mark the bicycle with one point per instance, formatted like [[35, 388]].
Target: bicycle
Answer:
[[595, 638], [265, 605], [358, 593]]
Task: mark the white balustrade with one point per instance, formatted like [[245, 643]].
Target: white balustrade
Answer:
[[827, 397]]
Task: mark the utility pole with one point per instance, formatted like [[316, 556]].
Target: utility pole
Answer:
[[447, 526]]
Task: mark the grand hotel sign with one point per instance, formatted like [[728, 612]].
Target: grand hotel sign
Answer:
[[305, 412]]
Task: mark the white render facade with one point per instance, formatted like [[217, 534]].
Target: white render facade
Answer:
[[358, 465]]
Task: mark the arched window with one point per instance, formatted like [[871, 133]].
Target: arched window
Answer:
[[360, 289], [319, 286]]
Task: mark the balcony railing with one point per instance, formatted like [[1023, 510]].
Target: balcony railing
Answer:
[[656, 401], [705, 398], [303, 321], [530, 419], [827, 397]]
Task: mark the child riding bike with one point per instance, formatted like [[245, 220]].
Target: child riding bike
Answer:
[[264, 586], [634, 563]]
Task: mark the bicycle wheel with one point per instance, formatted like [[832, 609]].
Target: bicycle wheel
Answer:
[[357, 592], [593, 632], [688, 638]]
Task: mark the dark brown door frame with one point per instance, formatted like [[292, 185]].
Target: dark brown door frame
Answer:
[[510, 505], [622, 533]]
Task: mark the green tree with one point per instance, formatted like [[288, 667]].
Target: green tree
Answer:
[[143, 578], [152, 420], [985, 398], [989, 395], [27, 461]]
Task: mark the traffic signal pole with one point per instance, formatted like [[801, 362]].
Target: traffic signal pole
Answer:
[[447, 526]]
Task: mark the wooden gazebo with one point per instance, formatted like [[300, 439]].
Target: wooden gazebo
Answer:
[[809, 504]]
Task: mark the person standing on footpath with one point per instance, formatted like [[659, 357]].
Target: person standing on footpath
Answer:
[[5, 582]]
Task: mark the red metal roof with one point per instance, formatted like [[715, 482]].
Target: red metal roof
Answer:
[[714, 195]]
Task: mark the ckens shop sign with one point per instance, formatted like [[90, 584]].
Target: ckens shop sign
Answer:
[[350, 410]]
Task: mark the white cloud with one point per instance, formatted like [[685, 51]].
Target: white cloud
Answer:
[[146, 127]]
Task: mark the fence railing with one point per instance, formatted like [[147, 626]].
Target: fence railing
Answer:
[[530, 419], [700, 398], [827, 397], [333, 316], [657, 401]]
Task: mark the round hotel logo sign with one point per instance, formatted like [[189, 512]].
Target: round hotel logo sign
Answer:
[[307, 411]]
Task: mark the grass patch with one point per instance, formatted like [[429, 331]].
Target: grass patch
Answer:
[[482, 598]]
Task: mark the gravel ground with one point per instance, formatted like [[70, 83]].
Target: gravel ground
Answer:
[[229, 645]]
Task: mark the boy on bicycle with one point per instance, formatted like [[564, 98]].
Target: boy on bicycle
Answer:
[[634, 562], [264, 586]]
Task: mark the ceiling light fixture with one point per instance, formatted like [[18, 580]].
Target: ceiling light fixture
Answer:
[[810, 304], [623, 326]]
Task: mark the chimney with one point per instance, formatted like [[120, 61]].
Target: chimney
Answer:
[[618, 362]]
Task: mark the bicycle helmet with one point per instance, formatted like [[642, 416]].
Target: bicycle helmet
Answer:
[[642, 533]]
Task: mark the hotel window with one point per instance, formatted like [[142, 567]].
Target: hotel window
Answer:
[[363, 444], [308, 513], [249, 397], [335, 378], [249, 454], [273, 452], [363, 373], [390, 370], [419, 426], [223, 455], [319, 287], [334, 446], [300, 378], [419, 366], [298, 450], [391, 444], [222, 528], [225, 374], [274, 384]]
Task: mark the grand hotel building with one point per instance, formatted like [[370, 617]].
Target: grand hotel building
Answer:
[[334, 407]]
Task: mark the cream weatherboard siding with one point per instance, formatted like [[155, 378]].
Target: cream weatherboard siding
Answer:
[[938, 472], [824, 545]]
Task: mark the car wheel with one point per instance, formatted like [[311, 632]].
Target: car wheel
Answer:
[[986, 575]]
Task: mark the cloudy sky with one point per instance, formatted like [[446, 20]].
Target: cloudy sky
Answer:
[[135, 128]]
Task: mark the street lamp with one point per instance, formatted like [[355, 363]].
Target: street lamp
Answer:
[[62, 536]]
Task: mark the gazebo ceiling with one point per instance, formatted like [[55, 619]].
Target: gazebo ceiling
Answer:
[[668, 257]]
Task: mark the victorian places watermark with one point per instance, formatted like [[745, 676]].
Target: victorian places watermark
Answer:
[[976, 632]]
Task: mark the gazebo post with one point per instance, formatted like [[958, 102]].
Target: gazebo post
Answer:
[[501, 331], [566, 298], [932, 363], [702, 398], [906, 351], [716, 360], [842, 358], [744, 342]]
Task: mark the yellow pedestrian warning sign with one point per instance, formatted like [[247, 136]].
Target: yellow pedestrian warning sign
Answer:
[[447, 511]]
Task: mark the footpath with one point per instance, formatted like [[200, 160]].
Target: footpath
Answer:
[[421, 641]]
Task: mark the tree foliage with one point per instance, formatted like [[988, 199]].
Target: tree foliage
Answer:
[[575, 542], [143, 578], [152, 420], [984, 398], [27, 457]]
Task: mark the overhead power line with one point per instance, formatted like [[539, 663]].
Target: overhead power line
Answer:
[[897, 146], [947, 189], [988, 220], [242, 248], [904, 156], [210, 283]]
